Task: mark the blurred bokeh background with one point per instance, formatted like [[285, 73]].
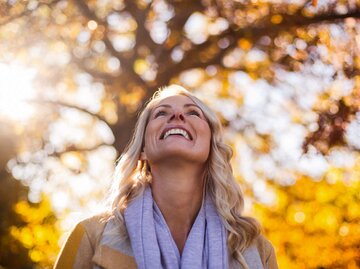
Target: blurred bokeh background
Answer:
[[283, 76]]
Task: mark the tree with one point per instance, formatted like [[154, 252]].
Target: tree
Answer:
[[134, 47], [288, 74], [28, 232], [316, 217]]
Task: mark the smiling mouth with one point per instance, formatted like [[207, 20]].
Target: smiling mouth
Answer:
[[176, 131]]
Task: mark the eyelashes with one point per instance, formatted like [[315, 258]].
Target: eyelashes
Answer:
[[160, 113], [192, 112]]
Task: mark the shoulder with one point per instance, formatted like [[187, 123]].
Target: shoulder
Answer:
[[80, 245], [93, 227], [263, 245], [266, 251]]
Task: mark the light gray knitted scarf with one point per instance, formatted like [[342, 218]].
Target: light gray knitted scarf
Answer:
[[154, 247]]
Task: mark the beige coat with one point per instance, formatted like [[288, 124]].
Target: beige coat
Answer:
[[82, 250]]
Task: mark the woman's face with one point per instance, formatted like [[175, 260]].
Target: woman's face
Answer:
[[177, 130]]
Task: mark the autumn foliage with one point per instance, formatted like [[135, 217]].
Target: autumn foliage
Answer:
[[283, 76]]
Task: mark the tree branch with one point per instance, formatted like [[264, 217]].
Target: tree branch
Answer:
[[127, 67], [176, 27], [94, 72], [75, 148], [63, 104], [265, 27], [142, 34], [191, 58]]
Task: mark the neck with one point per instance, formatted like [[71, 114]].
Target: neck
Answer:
[[178, 192]]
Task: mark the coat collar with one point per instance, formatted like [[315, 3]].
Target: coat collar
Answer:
[[114, 248], [109, 258]]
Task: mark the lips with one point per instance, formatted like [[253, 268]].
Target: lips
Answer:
[[175, 130]]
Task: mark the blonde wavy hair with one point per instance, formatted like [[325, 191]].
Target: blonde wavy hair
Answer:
[[132, 175]]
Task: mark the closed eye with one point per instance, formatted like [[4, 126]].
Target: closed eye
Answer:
[[194, 112], [160, 113]]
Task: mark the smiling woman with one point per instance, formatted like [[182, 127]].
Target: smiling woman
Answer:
[[16, 88], [175, 201]]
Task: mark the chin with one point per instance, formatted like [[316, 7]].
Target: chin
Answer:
[[181, 155]]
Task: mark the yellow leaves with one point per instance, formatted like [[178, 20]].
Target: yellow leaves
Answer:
[[24, 235], [109, 111], [286, 262], [325, 193], [357, 61], [34, 235], [276, 19], [40, 239], [334, 174], [324, 36], [306, 34], [353, 212], [140, 66], [39, 234], [36, 255], [132, 99], [303, 189], [312, 217], [33, 214], [327, 219], [245, 44], [281, 200]]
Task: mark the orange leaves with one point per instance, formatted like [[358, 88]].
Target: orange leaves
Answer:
[[276, 19], [245, 44], [129, 49]]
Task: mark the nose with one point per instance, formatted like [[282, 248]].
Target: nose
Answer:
[[177, 115]]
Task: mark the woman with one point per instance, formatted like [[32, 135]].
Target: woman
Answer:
[[175, 202]]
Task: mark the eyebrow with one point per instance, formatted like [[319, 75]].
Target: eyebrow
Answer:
[[169, 106]]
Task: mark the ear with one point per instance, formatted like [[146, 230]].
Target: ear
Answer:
[[143, 156]]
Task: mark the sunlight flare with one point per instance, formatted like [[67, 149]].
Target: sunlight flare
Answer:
[[16, 89]]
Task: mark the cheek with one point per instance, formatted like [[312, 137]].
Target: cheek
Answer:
[[207, 136], [147, 140], [150, 136], [149, 131]]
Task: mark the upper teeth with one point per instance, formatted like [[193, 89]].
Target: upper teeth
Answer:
[[177, 131]]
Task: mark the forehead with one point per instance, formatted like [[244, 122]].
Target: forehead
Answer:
[[176, 100]]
